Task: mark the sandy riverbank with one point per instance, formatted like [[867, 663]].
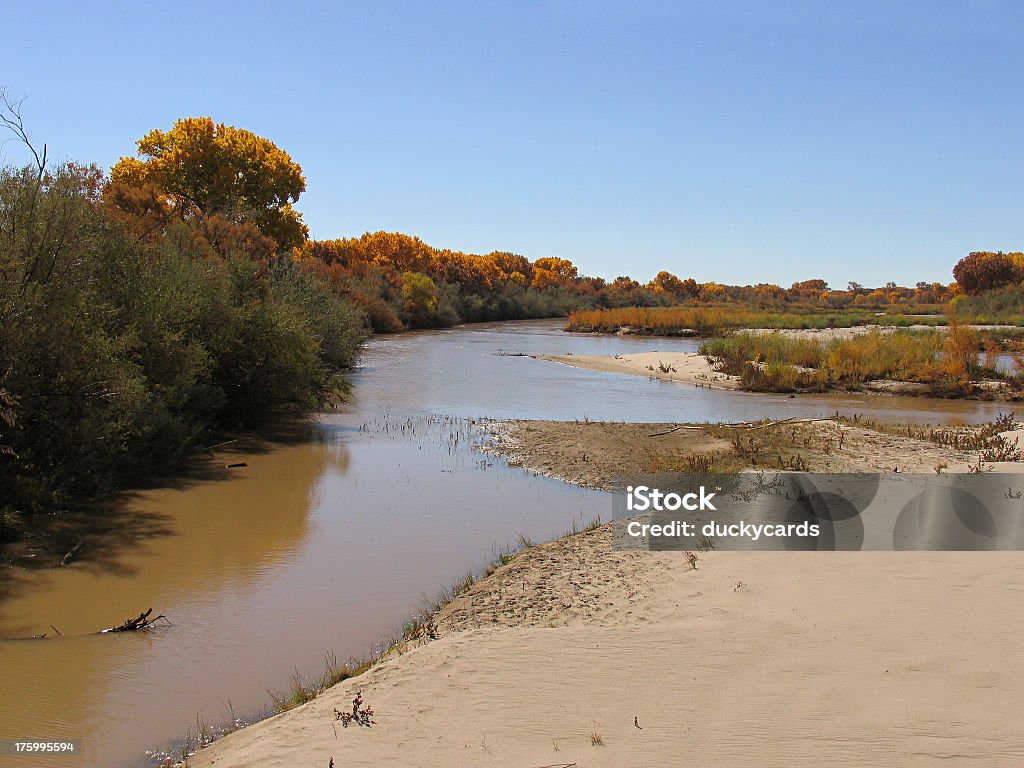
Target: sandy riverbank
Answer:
[[688, 367], [859, 659], [575, 654], [589, 453]]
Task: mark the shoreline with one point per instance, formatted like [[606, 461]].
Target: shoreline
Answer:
[[666, 658]]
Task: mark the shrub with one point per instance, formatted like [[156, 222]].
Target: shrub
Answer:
[[117, 354]]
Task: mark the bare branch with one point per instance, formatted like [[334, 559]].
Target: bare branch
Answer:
[[11, 118]]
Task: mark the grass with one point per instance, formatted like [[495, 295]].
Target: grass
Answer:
[[1004, 306], [946, 361], [786, 447], [300, 691], [716, 320], [985, 439]]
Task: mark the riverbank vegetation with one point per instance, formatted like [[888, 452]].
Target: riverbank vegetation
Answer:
[[711, 320], [401, 282], [945, 362], [988, 289], [136, 321]]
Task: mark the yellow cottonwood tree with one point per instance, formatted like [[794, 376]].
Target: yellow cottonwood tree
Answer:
[[211, 168]]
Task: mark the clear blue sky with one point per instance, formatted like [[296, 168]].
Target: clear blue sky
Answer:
[[740, 142]]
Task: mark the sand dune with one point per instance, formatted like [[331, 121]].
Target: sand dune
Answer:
[[772, 659]]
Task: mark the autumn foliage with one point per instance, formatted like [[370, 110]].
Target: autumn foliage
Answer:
[[200, 167], [985, 271], [401, 281]]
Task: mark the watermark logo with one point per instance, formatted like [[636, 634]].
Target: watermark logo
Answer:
[[643, 499], [799, 511]]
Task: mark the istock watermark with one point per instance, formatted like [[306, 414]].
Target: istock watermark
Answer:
[[800, 511], [643, 499]]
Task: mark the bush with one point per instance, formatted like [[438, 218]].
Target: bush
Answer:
[[778, 363], [117, 355]]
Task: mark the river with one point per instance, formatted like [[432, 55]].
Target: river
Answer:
[[330, 535]]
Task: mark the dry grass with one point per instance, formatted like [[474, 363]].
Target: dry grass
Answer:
[[715, 320], [946, 360], [985, 439]]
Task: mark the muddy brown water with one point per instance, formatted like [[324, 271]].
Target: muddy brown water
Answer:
[[327, 541]]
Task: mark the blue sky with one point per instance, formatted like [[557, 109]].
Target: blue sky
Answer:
[[737, 142]]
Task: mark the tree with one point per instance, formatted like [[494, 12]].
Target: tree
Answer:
[[209, 168], [982, 271], [420, 295], [691, 288], [812, 286], [563, 269], [666, 282]]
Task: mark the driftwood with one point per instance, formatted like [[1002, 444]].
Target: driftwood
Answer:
[[72, 553], [209, 448], [141, 622]]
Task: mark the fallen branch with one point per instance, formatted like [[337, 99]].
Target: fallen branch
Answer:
[[209, 448], [141, 622], [668, 431], [72, 553]]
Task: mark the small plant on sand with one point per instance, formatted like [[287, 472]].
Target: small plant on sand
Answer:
[[359, 715], [596, 740], [796, 463], [698, 463], [978, 468], [691, 558], [666, 367], [300, 692], [420, 627]]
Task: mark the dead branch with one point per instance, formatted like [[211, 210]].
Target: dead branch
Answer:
[[72, 553], [141, 622], [10, 116], [209, 448]]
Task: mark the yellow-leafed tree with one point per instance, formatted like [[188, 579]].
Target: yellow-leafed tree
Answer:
[[208, 168]]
